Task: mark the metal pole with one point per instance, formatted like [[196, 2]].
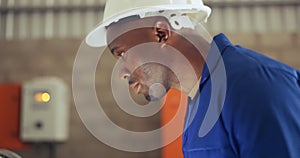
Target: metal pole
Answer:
[[52, 150]]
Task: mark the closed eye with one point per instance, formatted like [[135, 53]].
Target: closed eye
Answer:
[[120, 54], [117, 53]]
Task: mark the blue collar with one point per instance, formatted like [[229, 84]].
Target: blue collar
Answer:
[[222, 41], [218, 46]]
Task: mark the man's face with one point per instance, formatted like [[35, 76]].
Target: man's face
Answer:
[[141, 58]]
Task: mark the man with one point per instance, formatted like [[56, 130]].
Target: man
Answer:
[[252, 112]]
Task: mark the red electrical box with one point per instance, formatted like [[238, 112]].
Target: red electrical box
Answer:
[[10, 105]]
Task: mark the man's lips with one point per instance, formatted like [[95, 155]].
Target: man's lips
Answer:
[[136, 86]]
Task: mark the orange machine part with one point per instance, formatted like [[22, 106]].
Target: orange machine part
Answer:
[[10, 100], [175, 101]]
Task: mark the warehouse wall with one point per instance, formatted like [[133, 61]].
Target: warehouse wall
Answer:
[[260, 16], [44, 19]]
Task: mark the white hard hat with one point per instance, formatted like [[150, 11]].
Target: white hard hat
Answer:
[[119, 9]]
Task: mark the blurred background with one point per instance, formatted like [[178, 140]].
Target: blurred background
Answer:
[[40, 38]]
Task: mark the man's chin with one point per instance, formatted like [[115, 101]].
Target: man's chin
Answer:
[[152, 98]]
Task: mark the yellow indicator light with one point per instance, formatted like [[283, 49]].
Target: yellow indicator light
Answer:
[[42, 97], [46, 97]]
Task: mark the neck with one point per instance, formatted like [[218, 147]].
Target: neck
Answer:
[[195, 49]]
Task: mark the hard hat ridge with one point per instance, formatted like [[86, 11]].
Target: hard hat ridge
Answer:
[[177, 19]]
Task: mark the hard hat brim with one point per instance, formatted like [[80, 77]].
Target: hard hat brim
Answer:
[[97, 37]]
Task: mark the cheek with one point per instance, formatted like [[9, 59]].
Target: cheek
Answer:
[[150, 73], [139, 75]]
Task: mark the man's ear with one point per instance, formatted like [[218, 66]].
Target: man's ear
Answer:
[[162, 31]]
